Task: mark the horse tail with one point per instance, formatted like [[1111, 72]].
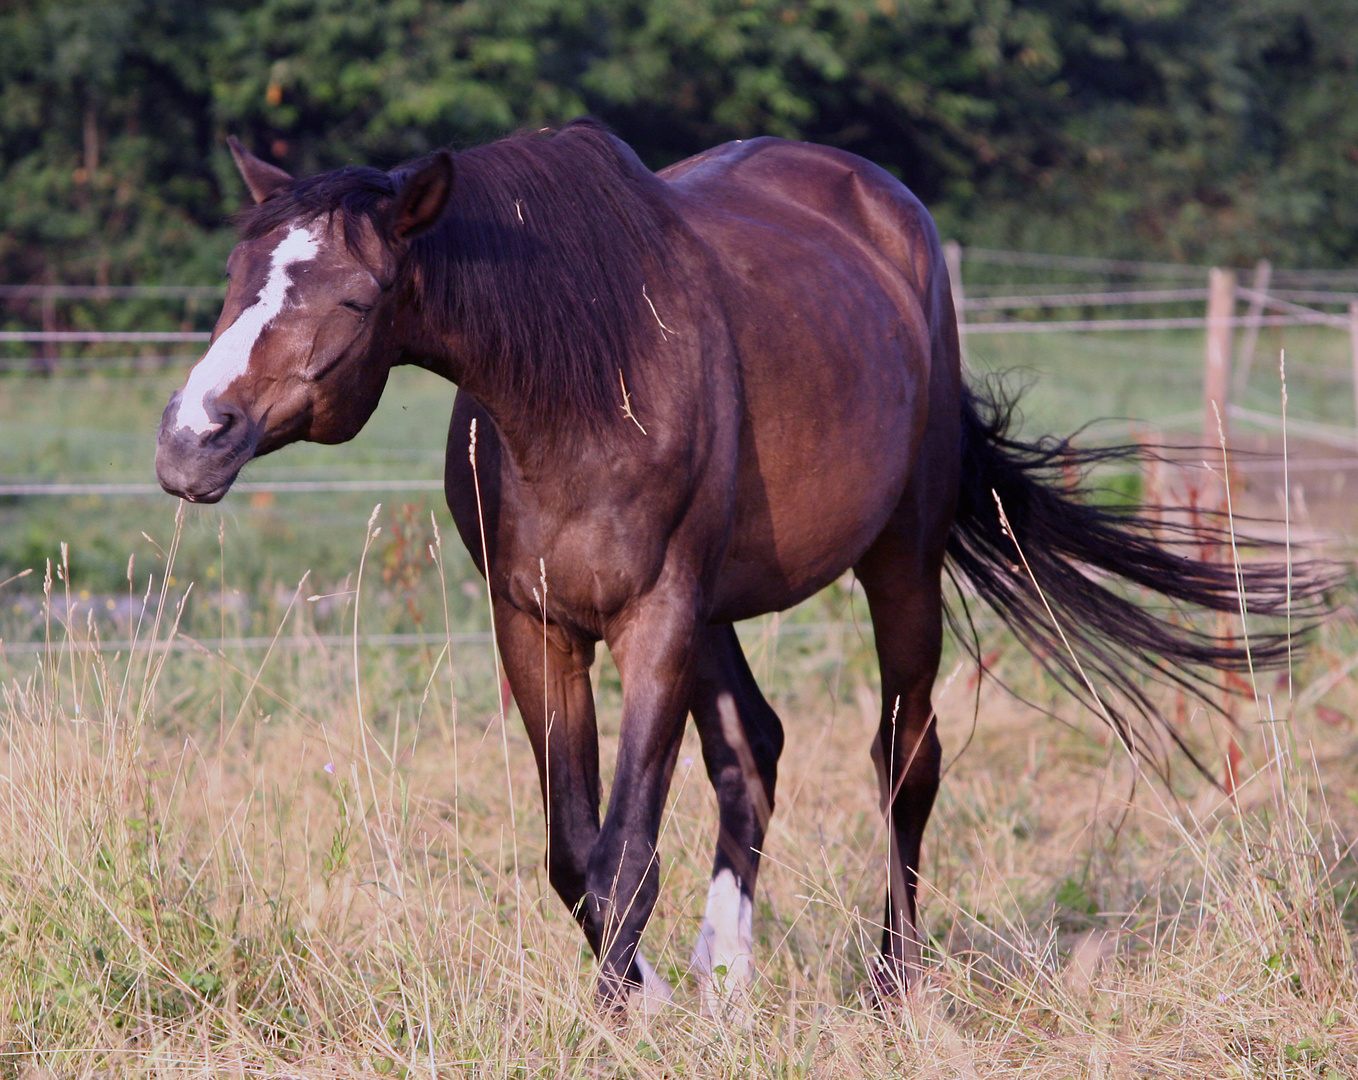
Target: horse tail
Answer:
[[1046, 557]]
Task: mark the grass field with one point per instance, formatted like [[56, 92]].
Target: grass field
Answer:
[[324, 857], [100, 427]]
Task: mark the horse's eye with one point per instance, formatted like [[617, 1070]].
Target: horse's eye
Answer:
[[355, 307]]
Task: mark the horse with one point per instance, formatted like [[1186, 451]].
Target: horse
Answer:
[[685, 399]]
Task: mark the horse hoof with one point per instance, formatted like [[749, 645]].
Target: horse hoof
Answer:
[[723, 955], [729, 1009], [652, 995], [725, 994], [892, 984]]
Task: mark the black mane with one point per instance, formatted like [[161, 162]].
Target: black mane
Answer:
[[538, 264]]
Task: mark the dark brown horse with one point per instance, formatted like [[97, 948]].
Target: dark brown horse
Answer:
[[699, 396]]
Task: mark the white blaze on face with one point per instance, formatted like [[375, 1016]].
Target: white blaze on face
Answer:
[[229, 356], [725, 941]]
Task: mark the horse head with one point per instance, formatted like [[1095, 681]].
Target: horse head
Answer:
[[309, 328]]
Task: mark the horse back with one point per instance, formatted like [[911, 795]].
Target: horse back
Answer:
[[831, 280], [780, 180]]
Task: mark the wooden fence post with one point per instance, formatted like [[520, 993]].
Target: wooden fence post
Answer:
[[1216, 379], [1353, 337], [1216, 382], [1263, 274], [46, 359], [952, 259]]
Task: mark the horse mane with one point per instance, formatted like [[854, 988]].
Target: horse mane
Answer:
[[538, 264]]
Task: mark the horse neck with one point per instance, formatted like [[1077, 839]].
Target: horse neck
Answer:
[[555, 427], [546, 305], [526, 436]]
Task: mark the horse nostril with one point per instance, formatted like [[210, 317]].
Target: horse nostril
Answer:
[[227, 420]]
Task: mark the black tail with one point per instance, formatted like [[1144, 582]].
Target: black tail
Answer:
[[1071, 546]]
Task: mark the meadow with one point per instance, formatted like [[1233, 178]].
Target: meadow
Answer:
[[263, 809]]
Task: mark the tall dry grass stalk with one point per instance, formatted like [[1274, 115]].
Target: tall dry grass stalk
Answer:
[[349, 883]]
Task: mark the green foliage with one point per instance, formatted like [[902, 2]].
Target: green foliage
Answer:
[[1220, 129], [106, 140]]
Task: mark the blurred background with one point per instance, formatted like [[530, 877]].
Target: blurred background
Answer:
[[1089, 159], [1204, 131]]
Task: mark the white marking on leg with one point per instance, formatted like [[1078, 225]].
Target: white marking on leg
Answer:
[[655, 992], [229, 356], [723, 958]]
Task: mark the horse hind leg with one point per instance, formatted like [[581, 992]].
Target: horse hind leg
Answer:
[[741, 739], [905, 599]]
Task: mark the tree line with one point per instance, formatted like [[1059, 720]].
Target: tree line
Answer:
[[1203, 130]]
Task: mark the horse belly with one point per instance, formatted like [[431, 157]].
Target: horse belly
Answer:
[[816, 487], [747, 588]]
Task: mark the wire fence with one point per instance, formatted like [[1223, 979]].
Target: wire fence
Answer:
[[103, 337], [1295, 295], [218, 646], [182, 643], [1274, 299], [1295, 278], [112, 292], [1093, 265], [1191, 322], [1181, 298], [262, 487]]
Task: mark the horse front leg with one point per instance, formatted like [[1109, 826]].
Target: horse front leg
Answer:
[[549, 674], [654, 654]]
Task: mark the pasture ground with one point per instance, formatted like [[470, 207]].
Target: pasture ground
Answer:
[[324, 857]]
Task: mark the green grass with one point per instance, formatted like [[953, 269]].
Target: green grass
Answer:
[[1153, 380], [92, 429], [96, 428], [213, 862], [282, 864]]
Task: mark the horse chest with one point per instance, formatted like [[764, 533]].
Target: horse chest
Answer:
[[583, 568]]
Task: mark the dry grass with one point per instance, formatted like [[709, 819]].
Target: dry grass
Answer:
[[279, 883]]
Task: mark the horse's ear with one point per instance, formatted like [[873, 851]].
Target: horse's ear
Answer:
[[260, 177], [423, 198]]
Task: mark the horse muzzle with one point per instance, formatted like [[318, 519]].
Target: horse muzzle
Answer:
[[200, 467]]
